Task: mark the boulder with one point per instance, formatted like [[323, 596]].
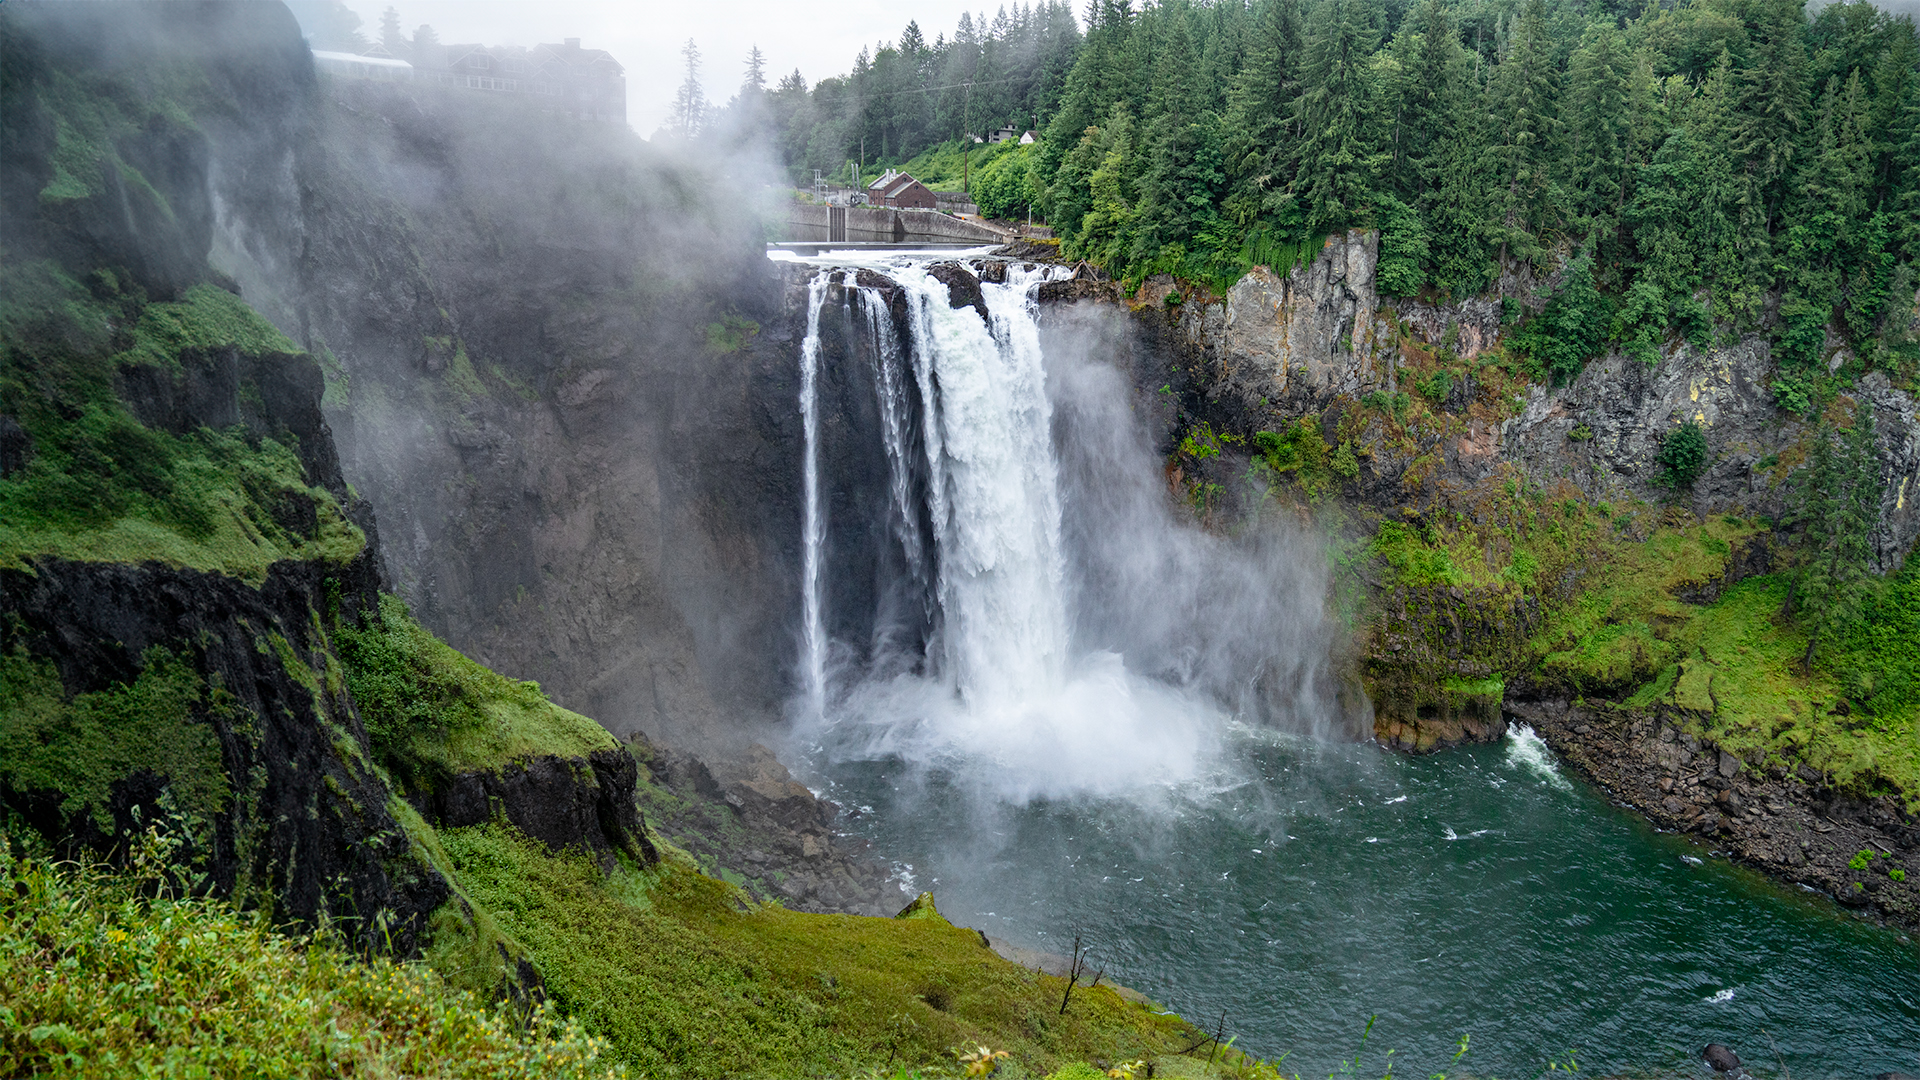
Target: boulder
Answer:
[[1719, 1058], [963, 289]]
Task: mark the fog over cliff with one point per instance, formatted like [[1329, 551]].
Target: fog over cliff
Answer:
[[546, 369]]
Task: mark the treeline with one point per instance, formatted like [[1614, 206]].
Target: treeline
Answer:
[[1696, 160], [905, 96], [1715, 163]]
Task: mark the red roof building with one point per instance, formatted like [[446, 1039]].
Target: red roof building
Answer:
[[900, 190]]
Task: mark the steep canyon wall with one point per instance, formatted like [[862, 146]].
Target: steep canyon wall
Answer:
[[554, 367], [1428, 427]]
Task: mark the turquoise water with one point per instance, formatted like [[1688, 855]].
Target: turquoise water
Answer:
[[1477, 891]]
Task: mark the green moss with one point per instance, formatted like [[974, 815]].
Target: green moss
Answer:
[[730, 334], [1416, 562], [80, 747], [206, 318], [704, 983], [104, 487], [89, 116], [1745, 688], [429, 709], [1492, 687]]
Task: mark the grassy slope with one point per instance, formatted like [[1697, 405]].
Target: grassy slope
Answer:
[[943, 167], [681, 971], [688, 978], [432, 712], [102, 486], [114, 975]]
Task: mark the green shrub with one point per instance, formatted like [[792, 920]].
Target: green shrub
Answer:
[[1393, 403], [1860, 860], [1682, 457], [1571, 328], [1004, 189], [427, 707], [1897, 874], [113, 975]]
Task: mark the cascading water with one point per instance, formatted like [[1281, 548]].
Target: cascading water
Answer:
[[998, 688], [1043, 724], [813, 632]]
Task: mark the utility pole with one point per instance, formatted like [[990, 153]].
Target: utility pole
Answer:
[[966, 147]]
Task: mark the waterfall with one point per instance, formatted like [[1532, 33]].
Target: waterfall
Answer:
[[1045, 661], [903, 508], [998, 525], [814, 526]]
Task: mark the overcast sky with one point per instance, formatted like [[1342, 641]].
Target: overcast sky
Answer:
[[819, 38]]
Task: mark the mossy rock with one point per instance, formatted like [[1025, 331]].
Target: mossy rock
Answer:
[[921, 908]]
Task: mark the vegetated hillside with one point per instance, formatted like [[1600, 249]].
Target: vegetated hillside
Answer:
[[203, 684]]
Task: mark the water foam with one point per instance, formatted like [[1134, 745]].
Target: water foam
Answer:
[[1527, 751]]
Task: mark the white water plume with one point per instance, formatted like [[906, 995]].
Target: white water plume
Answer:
[[813, 630], [1526, 750], [1028, 686]]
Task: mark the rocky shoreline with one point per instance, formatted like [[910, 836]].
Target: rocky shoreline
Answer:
[[1791, 824], [746, 820]]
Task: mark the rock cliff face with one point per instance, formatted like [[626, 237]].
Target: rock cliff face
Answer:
[[549, 373], [137, 689], [1286, 345], [1302, 337], [1318, 347]]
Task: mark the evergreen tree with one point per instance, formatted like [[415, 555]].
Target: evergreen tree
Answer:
[[1525, 93], [391, 38], [1600, 128], [1773, 101], [688, 114], [1092, 89], [1107, 232], [1429, 107], [1259, 119], [1176, 196], [1457, 208], [1840, 503], [1335, 166]]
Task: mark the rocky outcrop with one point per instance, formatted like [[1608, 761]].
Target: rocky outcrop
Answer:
[[1791, 824], [258, 757], [565, 803], [1602, 433], [749, 817], [1304, 337], [1280, 346]]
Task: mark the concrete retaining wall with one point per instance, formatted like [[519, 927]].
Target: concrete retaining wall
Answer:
[[886, 221]]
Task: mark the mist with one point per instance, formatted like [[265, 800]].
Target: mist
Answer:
[[1088, 637], [547, 342]]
